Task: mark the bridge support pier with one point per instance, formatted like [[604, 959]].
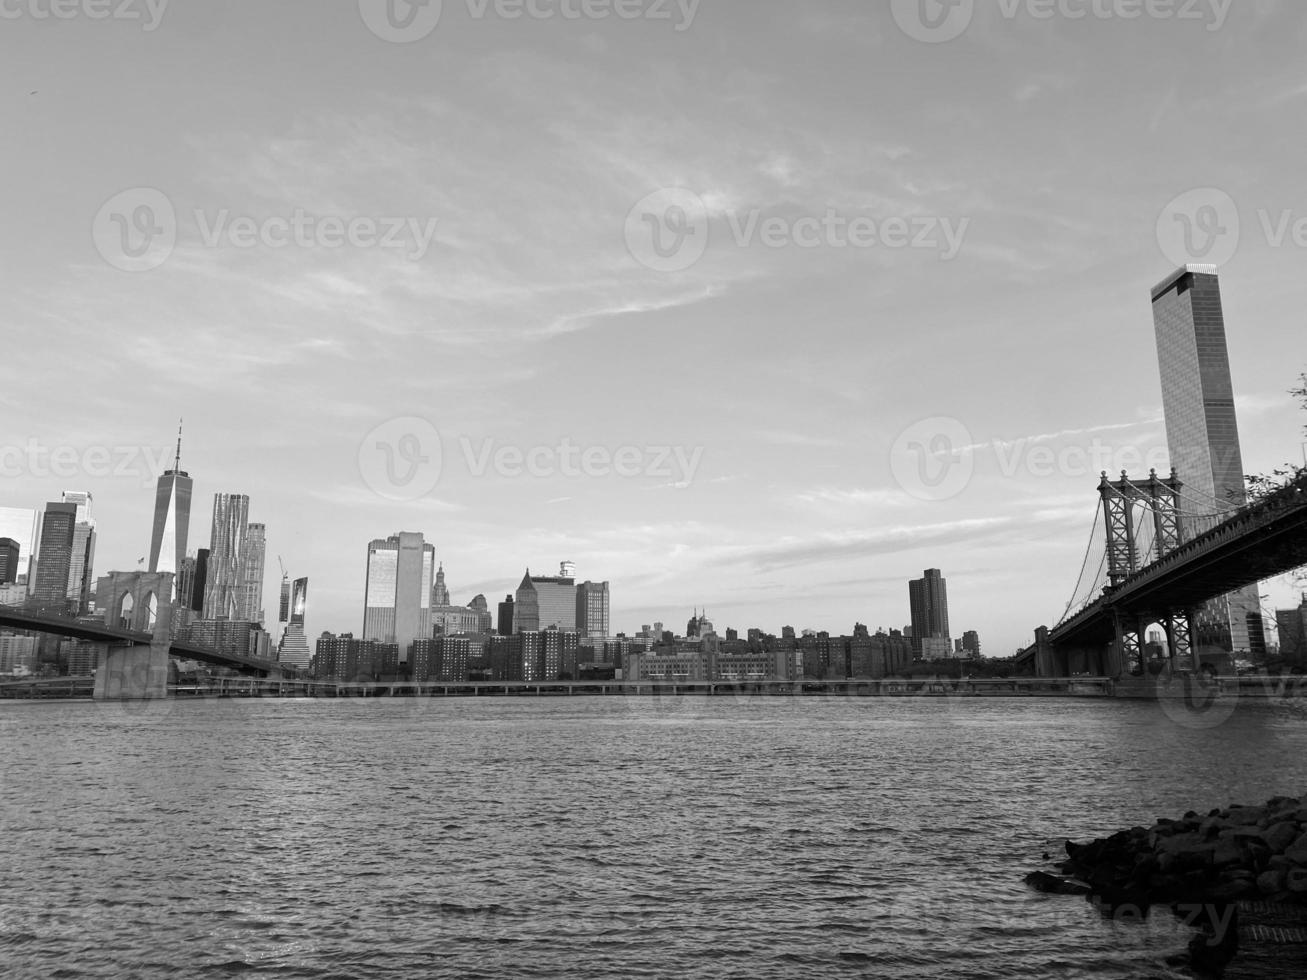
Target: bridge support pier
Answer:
[[137, 672]]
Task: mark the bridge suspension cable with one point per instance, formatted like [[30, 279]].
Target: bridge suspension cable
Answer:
[[1095, 538]]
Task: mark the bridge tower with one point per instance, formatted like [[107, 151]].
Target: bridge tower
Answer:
[[139, 601], [1122, 499]]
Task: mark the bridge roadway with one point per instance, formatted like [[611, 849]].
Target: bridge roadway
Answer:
[[1260, 541], [100, 633]]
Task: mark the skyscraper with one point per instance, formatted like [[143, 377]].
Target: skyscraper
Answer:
[[928, 601], [504, 621], [83, 552], [544, 602], [20, 524], [283, 605], [8, 561], [1202, 434], [439, 591], [201, 577], [172, 516], [397, 600], [294, 648], [251, 584], [592, 609], [58, 527], [224, 594]]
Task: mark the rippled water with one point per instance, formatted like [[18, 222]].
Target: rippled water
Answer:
[[594, 837]]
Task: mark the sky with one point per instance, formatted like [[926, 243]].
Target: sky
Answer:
[[678, 293]]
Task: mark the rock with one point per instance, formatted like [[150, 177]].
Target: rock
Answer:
[[1042, 881], [1231, 890], [1243, 815], [1210, 827], [1278, 836], [1180, 842], [1271, 882], [1297, 851], [1278, 862], [1296, 881]]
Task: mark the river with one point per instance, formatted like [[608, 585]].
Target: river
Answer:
[[588, 837]]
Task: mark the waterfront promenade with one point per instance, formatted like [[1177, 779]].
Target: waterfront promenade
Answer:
[[1215, 689]]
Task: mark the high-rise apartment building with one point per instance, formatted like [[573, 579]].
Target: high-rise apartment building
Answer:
[[54, 561], [592, 609], [397, 601], [1202, 433], [224, 592], [928, 602], [172, 516]]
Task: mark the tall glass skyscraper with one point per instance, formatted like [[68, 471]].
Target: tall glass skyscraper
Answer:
[[172, 517], [1202, 434], [397, 600], [224, 593], [83, 554]]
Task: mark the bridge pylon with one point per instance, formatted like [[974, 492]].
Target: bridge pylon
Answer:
[[1122, 499], [135, 672]]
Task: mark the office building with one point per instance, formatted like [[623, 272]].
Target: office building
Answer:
[[55, 558], [20, 524], [8, 561], [504, 621], [592, 609], [224, 592], [201, 576], [397, 600], [294, 646], [17, 653], [172, 516], [439, 591], [928, 603], [83, 553], [544, 602], [251, 582], [1202, 433]]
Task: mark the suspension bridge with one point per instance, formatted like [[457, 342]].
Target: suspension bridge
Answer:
[[1159, 560]]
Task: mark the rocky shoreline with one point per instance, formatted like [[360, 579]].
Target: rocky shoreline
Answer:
[[1199, 866]]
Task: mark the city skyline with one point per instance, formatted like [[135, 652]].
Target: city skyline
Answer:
[[795, 371]]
